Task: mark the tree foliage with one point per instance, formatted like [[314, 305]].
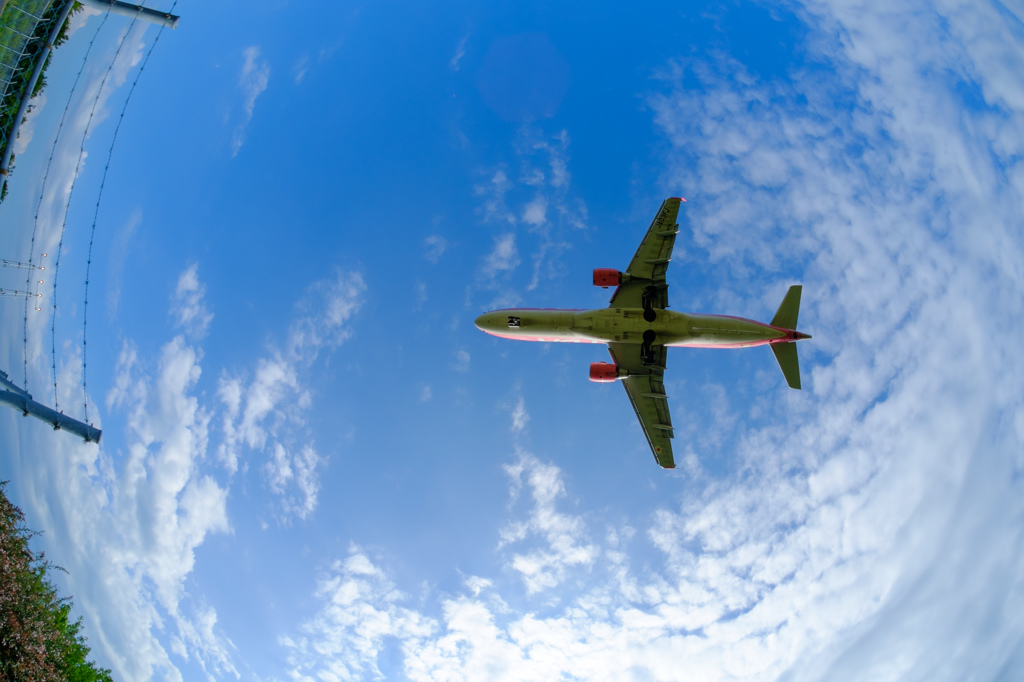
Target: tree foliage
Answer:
[[38, 640]]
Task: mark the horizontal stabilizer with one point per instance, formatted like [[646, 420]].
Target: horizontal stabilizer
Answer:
[[789, 310], [785, 353]]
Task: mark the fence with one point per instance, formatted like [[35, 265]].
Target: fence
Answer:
[[28, 30]]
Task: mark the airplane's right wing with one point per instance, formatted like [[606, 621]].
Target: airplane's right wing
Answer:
[[646, 392], [647, 269]]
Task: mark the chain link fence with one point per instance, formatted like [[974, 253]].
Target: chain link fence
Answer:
[[26, 26]]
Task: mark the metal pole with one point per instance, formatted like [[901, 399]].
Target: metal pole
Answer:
[[21, 400], [128, 10]]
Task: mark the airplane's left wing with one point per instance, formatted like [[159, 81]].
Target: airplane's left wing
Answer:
[[645, 284], [646, 391]]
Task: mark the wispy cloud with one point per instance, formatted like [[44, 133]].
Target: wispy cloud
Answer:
[[520, 417], [252, 81], [435, 245], [118, 257], [26, 131], [460, 52], [89, 97], [503, 258], [345, 638], [300, 69], [131, 522], [188, 307], [564, 535], [461, 361], [831, 551], [286, 471], [257, 410], [493, 191], [496, 270], [540, 200]]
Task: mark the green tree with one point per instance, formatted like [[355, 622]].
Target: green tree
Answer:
[[38, 641]]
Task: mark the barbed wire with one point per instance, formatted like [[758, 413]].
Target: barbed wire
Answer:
[[95, 216], [42, 191], [67, 206]]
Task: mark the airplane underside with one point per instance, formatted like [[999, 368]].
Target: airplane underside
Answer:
[[638, 329], [628, 325]]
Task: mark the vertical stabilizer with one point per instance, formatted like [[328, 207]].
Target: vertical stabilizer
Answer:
[[789, 310], [785, 353]]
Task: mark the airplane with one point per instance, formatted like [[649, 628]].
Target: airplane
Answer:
[[638, 329]]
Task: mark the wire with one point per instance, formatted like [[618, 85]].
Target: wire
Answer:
[[67, 206], [42, 191], [95, 215]]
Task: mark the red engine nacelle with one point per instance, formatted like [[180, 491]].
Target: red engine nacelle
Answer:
[[606, 277], [604, 372]]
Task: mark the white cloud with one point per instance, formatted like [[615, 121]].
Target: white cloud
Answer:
[[493, 191], [757, 581], [436, 246], [564, 535], [118, 257], [549, 212], [125, 388], [460, 52], [535, 212], [129, 525], [476, 584], [130, 522], [503, 258], [28, 125], [257, 411], [79, 19], [461, 361], [300, 69], [86, 110], [345, 638], [188, 307], [870, 530], [520, 417], [284, 469], [253, 80]]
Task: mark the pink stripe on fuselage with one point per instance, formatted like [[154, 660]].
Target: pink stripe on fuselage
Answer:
[[546, 339]]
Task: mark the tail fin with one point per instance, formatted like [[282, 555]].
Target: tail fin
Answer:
[[789, 310], [785, 353]]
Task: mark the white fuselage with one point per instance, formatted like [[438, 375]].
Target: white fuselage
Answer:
[[628, 325]]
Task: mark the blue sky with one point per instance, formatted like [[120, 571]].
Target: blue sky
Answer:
[[314, 467]]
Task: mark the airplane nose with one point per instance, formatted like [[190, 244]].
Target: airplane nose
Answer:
[[485, 322]]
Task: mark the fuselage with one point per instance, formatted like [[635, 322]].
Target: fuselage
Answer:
[[628, 325]]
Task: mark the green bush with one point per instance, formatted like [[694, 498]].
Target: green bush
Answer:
[[38, 641]]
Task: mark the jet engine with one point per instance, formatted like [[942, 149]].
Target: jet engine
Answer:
[[607, 277], [605, 372]]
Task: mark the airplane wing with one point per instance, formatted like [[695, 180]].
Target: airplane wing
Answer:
[[645, 284], [647, 394]]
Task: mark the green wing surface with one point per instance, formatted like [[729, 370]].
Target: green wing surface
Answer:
[[785, 353], [646, 391], [646, 272], [789, 309]]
